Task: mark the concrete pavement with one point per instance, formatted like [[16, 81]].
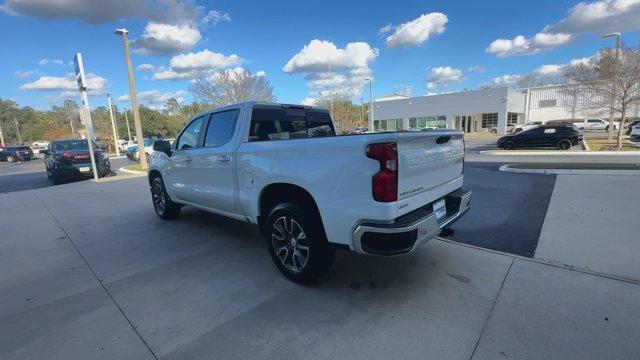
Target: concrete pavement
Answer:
[[101, 277], [592, 223]]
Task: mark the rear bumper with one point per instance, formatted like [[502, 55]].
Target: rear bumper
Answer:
[[410, 231]]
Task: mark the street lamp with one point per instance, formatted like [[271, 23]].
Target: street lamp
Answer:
[[370, 103], [134, 98], [613, 82]]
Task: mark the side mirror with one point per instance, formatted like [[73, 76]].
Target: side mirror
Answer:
[[162, 146]]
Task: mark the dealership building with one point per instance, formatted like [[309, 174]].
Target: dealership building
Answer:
[[481, 110]]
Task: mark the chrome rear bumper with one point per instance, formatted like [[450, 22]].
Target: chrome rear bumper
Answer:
[[411, 230]]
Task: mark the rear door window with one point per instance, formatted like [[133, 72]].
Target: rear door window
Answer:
[[220, 129], [269, 124]]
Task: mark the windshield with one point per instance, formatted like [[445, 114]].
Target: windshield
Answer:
[[71, 145]]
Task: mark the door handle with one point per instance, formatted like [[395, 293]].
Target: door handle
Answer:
[[224, 158]]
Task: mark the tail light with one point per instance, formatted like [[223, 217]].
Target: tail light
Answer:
[[385, 181]]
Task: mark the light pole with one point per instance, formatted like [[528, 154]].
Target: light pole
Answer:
[[126, 118], [113, 125], [134, 98], [73, 132], [18, 129], [361, 109], [370, 103], [613, 82]]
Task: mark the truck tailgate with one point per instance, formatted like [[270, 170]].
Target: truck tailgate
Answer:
[[427, 161]]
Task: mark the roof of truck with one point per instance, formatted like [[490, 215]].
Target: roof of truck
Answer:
[[263, 103]]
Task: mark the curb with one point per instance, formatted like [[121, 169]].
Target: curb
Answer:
[[134, 172], [557, 153], [508, 168]]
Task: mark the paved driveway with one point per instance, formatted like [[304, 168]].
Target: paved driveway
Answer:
[[89, 272]]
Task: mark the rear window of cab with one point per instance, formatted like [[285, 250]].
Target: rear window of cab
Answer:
[[269, 124]]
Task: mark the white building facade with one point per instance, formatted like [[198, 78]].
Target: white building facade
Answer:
[[482, 110]]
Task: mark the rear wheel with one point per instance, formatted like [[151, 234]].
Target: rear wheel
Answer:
[[607, 128], [10, 158], [564, 145], [162, 204], [509, 145], [297, 244]]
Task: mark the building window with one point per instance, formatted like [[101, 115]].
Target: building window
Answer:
[[428, 122], [548, 103], [489, 120], [387, 125], [512, 118]]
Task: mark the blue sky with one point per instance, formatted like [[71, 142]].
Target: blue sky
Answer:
[[427, 47]]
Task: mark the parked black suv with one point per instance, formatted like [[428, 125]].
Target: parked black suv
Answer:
[[66, 159], [15, 153], [562, 137]]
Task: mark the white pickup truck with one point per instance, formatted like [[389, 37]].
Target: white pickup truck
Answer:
[[282, 168], [595, 124]]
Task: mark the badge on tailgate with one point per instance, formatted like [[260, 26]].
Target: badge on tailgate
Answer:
[[439, 208]]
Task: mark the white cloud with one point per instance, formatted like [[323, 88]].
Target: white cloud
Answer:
[[146, 67], [25, 74], [96, 85], [544, 74], [443, 75], [46, 62], [164, 11], [597, 17], [417, 31], [308, 101], [261, 73], [550, 70], [523, 46], [163, 39], [504, 80], [215, 16], [385, 29], [205, 59], [349, 68], [196, 65], [600, 17], [318, 55], [155, 99], [477, 68]]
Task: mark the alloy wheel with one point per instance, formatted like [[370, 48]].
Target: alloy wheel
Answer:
[[159, 201], [290, 244]]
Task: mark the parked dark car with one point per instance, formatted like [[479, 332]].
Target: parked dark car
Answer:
[[562, 137], [631, 125], [66, 159], [15, 153]]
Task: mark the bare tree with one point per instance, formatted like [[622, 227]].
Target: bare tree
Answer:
[[611, 82], [230, 87]]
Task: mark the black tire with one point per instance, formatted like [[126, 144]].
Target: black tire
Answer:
[[11, 159], [302, 235], [518, 130], [564, 145], [56, 180], [162, 204], [495, 131], [509, 145], [607, 128]]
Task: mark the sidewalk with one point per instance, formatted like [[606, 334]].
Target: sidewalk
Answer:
[[94, 274]]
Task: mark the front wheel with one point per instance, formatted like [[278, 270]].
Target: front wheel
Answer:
[[607, 128], [162, 204], [297, 244], [509, 145], [10, 159], [564, 145]]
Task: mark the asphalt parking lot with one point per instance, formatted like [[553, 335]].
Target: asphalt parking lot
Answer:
[[32, 174]]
